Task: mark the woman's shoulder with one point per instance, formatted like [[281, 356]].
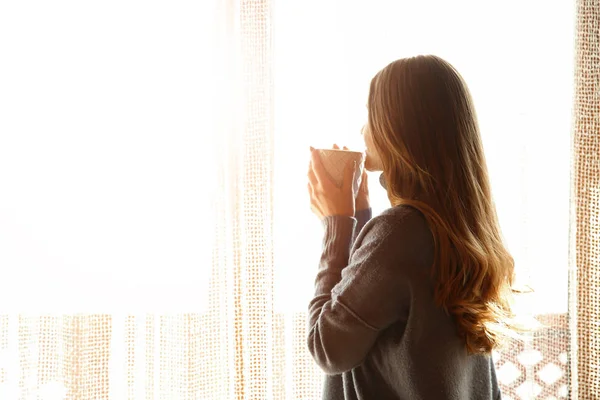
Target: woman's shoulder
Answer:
[[401, 217], [400, 232], [401, 222], [401, 211]]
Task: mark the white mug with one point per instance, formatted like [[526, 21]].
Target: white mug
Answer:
[[335, 162]]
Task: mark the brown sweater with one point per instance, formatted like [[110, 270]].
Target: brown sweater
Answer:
[[373, 326]]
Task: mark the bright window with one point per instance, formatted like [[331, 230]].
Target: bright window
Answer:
[[517, 58]]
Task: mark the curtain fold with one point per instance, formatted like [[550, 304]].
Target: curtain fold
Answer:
[[585, 307], [242, 278], [253, 270]]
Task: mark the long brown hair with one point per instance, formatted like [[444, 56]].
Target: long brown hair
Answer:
[[425, 131]]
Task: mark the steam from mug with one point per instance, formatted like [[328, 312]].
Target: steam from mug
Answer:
[[335, 161]]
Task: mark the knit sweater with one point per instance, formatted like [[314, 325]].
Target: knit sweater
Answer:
[[374, 328]]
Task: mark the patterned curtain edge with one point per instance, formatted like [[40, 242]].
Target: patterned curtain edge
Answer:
[[584, 252]]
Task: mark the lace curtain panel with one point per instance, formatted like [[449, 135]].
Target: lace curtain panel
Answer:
[[155, 234], [585, 234]]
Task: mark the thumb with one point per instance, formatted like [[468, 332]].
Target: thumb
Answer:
[[349, 174], [364, 179]]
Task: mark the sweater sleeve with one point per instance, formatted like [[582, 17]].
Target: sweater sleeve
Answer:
[[360, 295], [362, 217]]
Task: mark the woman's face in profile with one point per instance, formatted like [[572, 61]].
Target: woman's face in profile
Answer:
[[372, 161]]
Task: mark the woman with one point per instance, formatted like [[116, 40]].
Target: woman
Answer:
[[410, 304]]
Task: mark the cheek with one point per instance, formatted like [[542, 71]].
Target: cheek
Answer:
[[368, 140], [370, 146], [372, 162]]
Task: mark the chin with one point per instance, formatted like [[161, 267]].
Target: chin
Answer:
[[372, 166]]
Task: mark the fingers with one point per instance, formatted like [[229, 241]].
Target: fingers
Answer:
[[311, 194], [314, 182], [316, 211], [321, 177], [336, 147], [314, 207], [364, 181], [312, 178]]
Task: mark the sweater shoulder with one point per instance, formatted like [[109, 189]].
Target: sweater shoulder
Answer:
[[402, 231], [401, 212], [401, 219]]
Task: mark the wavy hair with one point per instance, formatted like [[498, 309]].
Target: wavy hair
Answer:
[[424, 128]]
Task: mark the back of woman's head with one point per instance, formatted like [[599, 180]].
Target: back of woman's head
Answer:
[[424, 129]]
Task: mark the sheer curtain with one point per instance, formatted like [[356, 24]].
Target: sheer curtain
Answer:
[[111, 121], [585, 231], [155, 234]]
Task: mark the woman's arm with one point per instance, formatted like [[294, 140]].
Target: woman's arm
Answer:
[[362, 217], [357, 295], [363, 212]]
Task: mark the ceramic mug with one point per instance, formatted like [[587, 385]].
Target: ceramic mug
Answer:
[[335, 162]]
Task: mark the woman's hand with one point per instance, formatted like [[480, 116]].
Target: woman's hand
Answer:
[[362, 198], [326, 199]]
